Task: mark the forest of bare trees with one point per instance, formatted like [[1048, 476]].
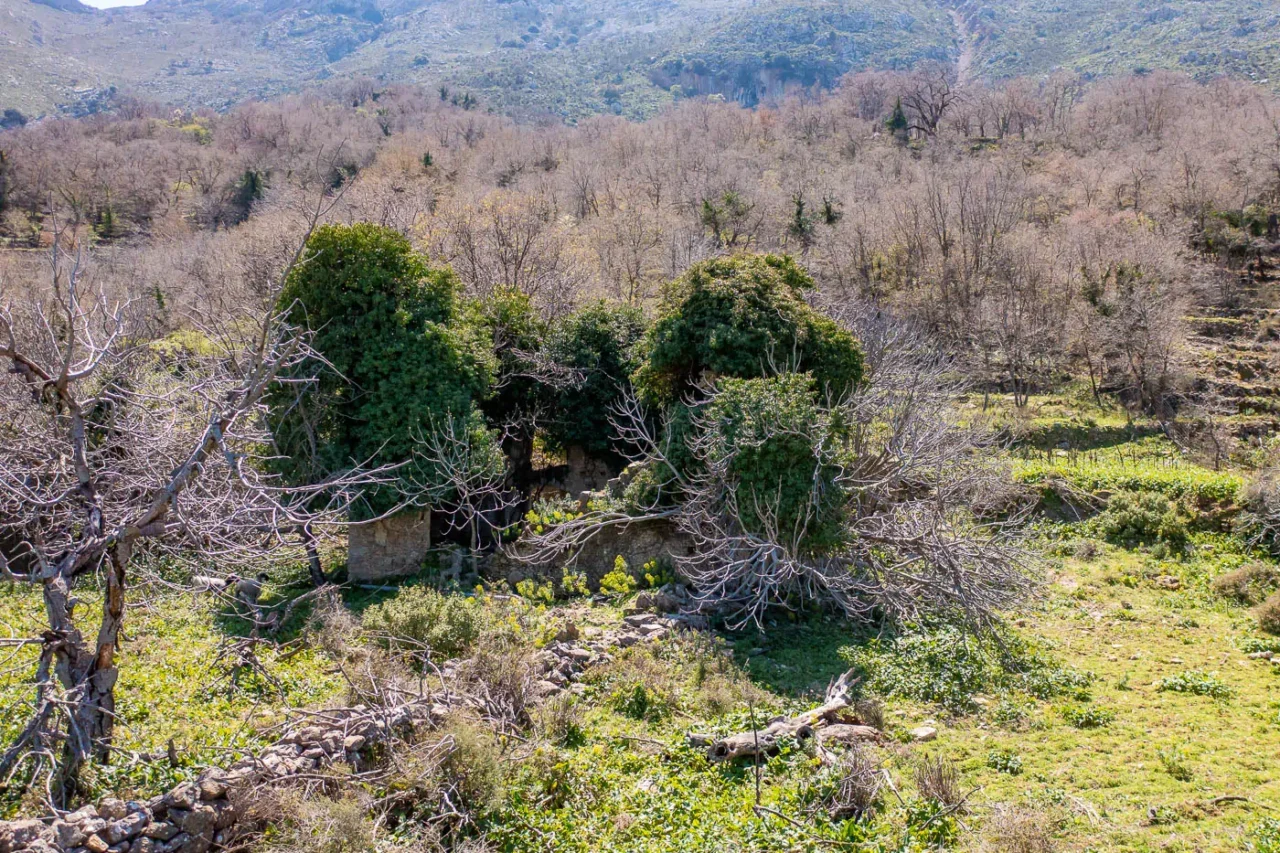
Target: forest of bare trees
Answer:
[[1036, 226]]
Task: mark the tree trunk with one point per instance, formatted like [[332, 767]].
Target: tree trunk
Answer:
[[314, 565], [87, 675]]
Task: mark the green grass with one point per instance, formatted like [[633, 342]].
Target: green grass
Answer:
[[1118, 708]]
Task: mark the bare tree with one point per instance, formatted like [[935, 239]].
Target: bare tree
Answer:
[[931, 524], [114, 449]]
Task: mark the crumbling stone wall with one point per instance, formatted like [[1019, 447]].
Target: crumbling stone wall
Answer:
[[637, 543], [210, 812], [392, 547]]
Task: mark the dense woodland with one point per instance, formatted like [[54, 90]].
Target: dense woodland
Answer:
[[875, 356]]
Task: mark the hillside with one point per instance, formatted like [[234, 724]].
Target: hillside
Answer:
[[592, 56]]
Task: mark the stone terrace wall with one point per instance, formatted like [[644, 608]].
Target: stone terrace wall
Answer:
[[209, 813]]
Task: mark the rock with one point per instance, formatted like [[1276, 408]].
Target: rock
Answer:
[[178, 842], [645, 602], [545, 688], [924, 734], [626, 641], [95, 844], [196, 822], [125, 828], [122, 847], [112, 809], [1168, 582], [69, 834], [182, 797], [212, 788], [93, 825], [82, 814], [142, 845], [1260, 656], [848, 735], [353, 743], [160, 831], [579, 655], [640, 620], [22, 833]]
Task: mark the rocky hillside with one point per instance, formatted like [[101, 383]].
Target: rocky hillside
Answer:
[[582, 57]]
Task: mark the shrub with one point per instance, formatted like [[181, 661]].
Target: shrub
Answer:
[[938, 780], [744, 317], [389, 325], [560, 721], [1268, 614], [1016, 829], [850, 788], [945, 666], [1004, 761], [1143, 517], [1175, 764], [1196, 683], [419, 619], [473, 771], [772, 435], [1089, 717], [601, 341], [618, 581], [1249, 584]]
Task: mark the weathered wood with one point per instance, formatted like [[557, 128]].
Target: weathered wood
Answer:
[[829, 722]]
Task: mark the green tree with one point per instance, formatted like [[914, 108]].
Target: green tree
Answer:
[[897, 123], [777, 444], [601, 342], [743, 317], [515, 334], [400, 361]]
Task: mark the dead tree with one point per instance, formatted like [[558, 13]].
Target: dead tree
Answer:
[[114, 449], [833, 721], [931, 523]]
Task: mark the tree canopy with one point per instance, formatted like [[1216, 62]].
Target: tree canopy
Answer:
[[745, 317], [400, 358]]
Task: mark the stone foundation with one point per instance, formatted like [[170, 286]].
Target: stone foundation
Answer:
[[390, 548]]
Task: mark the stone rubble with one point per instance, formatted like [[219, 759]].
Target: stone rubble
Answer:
[[204, 814]]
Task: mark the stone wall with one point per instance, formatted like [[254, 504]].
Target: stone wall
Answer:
[[637, 543], [210, 813], [392, 547]]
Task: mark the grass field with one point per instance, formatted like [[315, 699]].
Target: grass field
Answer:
[[1120, 710]]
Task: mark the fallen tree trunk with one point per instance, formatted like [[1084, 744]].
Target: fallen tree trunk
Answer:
[[832, 721]]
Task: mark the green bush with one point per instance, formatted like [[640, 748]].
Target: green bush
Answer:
[[1196, 683], [773, 435], [1143, 517], [1088, 717], [400, 359], [602, 342], [744, 317], [1004, 761], [420, 618], [946, 666]]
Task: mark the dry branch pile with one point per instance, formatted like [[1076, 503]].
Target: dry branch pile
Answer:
[[831, 722]]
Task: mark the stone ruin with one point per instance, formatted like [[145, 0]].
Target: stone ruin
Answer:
[[389, 548], [210, 813]]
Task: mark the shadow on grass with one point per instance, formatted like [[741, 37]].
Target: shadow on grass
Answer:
[[1084, 437], [799, 659]]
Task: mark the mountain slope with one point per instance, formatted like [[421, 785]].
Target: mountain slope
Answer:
[[578, 57]]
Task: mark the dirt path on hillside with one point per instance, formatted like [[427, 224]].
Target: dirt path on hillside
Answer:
[[964, 62]]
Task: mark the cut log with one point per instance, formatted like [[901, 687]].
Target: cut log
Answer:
[[832, 714]]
